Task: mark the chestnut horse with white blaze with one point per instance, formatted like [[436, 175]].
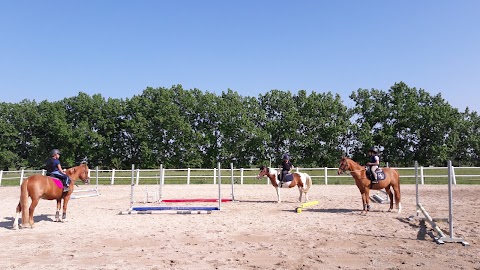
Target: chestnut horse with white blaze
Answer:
[[48, 188], [391, 181], [301, 180]]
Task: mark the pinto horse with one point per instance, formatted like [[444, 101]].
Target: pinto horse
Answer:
[[392, 180], [301, 180], [44, 187]]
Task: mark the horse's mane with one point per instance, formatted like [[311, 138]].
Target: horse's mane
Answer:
[[270, 170]]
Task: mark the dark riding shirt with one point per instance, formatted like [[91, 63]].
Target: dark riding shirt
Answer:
[[287, 166], [52, 169], [52, 165]]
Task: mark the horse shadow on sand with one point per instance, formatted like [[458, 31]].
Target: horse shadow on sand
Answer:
[[38, 218]]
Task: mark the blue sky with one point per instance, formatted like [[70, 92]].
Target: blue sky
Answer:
[[50, 50]]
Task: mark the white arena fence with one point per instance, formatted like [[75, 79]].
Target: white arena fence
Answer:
[[326, 176]]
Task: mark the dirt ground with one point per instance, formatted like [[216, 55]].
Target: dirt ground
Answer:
[[254, 232]]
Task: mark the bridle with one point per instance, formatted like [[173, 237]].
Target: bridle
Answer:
[[344, 167]]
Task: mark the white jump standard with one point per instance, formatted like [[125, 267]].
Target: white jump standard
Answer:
[[442, 237]]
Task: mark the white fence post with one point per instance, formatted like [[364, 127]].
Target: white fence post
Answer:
[[112, 180], [1, 175], [214, 176], [138, 176], [241, 176], [188, 176], [22, 173], [326, 175]]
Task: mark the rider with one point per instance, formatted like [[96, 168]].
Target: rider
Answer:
[[287, 166], [374, 163], [55, 169]]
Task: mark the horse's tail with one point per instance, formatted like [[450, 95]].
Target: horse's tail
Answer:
[[24, 201], [308, 184]]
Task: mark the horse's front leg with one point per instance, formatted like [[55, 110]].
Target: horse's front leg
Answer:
[[57, 214], [65, 203], [279, 200], [367, 200], [366, 206]]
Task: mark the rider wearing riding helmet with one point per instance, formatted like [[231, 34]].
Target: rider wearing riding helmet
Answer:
[[374, 163], [287, 166], [55, 169]]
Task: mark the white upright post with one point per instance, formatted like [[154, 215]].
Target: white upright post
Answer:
[[233, 181], [416, 186], [132, 186], [451, 238], [160, 183], [219, 187]]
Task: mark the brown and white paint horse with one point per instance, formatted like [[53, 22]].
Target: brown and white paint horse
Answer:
[[300, 180], [391, 181], [44, 187]]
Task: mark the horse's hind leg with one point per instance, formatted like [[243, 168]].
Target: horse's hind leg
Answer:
[[17, 214], [31, 210], [390, 196]]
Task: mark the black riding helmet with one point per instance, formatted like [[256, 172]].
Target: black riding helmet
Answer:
[[54, 152], [286, 156], [374, 150]]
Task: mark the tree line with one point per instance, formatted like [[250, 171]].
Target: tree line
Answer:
[[190, 128]]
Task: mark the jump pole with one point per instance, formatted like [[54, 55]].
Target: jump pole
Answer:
[[442, 237]]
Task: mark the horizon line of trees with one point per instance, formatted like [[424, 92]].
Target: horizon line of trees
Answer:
[[189, 128]]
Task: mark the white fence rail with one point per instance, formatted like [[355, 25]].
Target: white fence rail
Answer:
[[427, 175]]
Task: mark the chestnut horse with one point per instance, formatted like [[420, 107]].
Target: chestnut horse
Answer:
[[301, 180], [392, 180], [44, 187]]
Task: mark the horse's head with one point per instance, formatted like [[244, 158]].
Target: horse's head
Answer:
[[80, 172], [344, 165], [263, 171]]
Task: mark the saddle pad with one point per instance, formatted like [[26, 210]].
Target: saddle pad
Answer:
[[57, 182]]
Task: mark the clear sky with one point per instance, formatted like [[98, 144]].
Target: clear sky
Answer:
[[50, 50]]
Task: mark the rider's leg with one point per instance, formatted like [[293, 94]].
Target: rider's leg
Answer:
[[65, 179], [374, 174]]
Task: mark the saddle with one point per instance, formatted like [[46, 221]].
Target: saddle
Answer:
[[288, 177], [379, 172]]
